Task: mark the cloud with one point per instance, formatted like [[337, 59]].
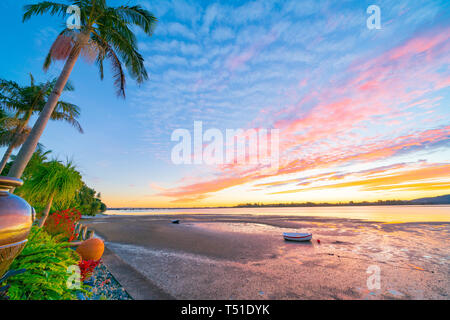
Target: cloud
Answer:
[[178, 29], [159, 60], [210, 15], [333, 131], [222, 33], [181, 9], [173, 46], [393, 181], [339, 93]]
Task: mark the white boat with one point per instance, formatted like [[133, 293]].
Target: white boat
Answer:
[[296, 236]]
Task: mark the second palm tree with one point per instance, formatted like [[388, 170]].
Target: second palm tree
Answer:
[[24, 102]]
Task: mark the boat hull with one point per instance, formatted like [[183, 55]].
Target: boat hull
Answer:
[[297, 236]]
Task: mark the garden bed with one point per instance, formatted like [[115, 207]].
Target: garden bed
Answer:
[[105, 286]]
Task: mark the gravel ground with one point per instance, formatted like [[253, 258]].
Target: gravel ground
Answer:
[[105, 286]]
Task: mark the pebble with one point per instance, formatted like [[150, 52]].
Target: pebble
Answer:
[[104, 286]]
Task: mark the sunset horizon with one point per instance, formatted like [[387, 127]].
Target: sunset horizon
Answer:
[[289, 204], [225, 155]]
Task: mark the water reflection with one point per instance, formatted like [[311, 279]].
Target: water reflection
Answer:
[[387, 214]]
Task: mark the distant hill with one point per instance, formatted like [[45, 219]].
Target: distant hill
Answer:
[[433, 200]]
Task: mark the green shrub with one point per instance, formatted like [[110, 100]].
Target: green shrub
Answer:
[[46, 261], [87, 201]]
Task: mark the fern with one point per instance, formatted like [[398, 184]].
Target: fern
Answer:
[[46, 261]]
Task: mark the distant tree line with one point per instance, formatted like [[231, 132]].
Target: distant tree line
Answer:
[[326, 204], [88, 201]]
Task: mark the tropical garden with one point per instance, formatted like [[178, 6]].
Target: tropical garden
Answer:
[[54, 187]]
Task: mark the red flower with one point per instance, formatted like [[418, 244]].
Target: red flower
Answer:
[[63, 222], [87, 268]]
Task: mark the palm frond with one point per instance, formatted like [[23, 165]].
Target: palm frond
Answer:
[[31, 79], [60, 48], [69, 86], [13, 136], [48, 60], [52, 8], [21, 137], [67, 112], [68, 108], [118, 73], [9, 87], [139, 17], [5, 138], [129, 55], [8, 122], [99, 62], [110, 37], [53, 177]]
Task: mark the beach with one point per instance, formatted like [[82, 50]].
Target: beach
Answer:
[[235, 256]]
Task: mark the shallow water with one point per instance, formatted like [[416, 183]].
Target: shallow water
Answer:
[[412, 259], [387, 214]]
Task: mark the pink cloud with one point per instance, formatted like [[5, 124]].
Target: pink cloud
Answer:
[[236, 61], [336, 127]]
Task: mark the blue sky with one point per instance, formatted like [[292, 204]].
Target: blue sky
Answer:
[[240, 64]]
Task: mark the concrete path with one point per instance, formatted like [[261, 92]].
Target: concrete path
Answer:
[[137, 285]]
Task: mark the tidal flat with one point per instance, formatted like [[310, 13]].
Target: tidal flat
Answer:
[[235, 256]]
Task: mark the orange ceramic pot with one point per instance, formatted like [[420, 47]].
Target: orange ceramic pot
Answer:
[[91, 249], [16, 218]]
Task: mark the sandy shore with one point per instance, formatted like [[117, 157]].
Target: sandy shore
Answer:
[[245, 257]]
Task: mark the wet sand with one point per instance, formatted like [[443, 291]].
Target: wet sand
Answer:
[[245, 257]]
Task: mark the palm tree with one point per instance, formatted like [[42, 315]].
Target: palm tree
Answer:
[[9, 136], [7, 125], [52, 182], [7, 121], [39, 157], [12, 139], [104, 34], [28, 100]]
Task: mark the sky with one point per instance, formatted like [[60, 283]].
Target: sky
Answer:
[[362, 114]]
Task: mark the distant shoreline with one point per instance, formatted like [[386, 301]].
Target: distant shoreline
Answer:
[[439, 200], [291, 206]]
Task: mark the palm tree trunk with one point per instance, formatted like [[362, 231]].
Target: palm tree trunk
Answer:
[[28, 148], [46, 210], [6, 157]]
